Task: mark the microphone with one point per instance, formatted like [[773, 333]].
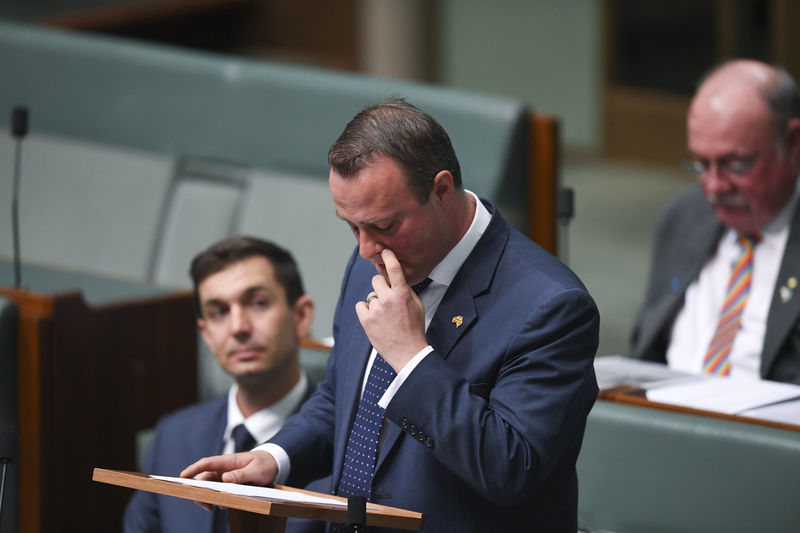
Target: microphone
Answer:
[[565, 210], [357, 513], [19, 122], [19, 128]]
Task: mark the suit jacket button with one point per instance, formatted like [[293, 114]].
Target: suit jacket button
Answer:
[[429, 442], [405, 423], [421, 436], [412, 430]]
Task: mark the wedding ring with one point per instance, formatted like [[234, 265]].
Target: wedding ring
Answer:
[[371, 296]]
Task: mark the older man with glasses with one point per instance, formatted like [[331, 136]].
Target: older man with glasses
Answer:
[[721, 294]]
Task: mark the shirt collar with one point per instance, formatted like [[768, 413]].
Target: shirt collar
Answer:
[[264, 424], [446, 270]]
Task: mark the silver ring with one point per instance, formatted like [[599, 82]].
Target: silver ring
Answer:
[[371, 296]]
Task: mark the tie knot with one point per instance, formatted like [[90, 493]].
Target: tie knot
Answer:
[[243, 441], [749, 240], [421, 286]]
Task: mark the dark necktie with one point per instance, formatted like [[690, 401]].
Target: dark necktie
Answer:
[[243, 441], [362, 446], [422, 285]]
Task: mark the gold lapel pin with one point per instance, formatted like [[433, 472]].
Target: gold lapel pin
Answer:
[[458, 320]]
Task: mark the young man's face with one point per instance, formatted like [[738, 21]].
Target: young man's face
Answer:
[[247, 322]]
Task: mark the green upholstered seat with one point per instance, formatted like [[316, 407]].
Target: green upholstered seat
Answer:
[[653, 471]]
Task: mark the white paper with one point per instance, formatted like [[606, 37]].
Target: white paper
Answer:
[[785, 412], [255, 492], [614, 370], [724, 394]]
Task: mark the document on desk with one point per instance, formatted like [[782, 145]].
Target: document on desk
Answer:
[[787, 412], [724, 394], [266, 493], [614, 370]]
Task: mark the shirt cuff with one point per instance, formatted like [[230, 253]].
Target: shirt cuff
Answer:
[[401, 377], [281, 457]]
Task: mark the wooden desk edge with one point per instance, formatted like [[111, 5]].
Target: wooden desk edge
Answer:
[[377, 515]]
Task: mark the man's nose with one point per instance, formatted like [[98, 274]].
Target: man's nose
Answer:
[[368, 246], [240, 321]]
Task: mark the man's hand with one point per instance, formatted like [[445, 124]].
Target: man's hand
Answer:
[[256, 467], [395, 320]]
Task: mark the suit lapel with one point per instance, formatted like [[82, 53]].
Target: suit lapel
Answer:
[[784, 309]]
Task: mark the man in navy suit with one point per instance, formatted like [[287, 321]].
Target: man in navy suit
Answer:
[[743, 132], [489, 370], [252, 312]]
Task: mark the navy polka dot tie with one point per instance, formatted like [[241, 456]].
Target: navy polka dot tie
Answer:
[[362, 447]]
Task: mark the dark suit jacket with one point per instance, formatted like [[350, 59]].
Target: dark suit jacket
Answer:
[[182, 438], [498, 408], [686, 237]]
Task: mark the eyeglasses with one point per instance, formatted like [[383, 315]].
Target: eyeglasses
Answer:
[[733, 166]]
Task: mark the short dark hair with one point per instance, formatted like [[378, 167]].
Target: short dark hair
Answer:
[[228, 251], [783, 99], [398, 130]]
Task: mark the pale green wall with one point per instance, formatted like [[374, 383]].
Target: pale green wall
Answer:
[[546, 52]]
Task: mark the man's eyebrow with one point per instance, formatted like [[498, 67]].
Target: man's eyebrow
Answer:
[[372, 222], [249, 291]]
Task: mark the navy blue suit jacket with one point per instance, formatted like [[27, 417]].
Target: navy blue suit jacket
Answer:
[[182, 438], [485, 433]]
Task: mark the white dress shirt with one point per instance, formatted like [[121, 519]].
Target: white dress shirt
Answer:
[[697, 321]]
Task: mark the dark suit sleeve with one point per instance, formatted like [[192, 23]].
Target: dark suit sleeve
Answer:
[[504, 441]]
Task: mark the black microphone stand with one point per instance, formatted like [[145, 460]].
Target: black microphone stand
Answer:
[[19, 127], [357, 513], [8, 442]]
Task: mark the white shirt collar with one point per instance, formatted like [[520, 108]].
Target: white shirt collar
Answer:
[[263, 424], [446, 270]]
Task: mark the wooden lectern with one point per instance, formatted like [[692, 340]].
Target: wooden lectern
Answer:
[[251, 515]]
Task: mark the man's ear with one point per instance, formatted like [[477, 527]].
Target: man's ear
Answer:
[[303, 316], [793, 141], [201, 325], [442, 185]]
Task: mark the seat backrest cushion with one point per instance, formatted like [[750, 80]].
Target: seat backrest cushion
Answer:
[[649, 470]]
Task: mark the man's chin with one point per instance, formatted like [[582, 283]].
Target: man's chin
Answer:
[[737, 218], [248, 375]]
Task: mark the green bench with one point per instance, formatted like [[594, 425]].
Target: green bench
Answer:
[[653, 471]]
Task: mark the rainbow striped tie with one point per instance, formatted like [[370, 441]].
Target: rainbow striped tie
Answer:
[[717, 359]]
